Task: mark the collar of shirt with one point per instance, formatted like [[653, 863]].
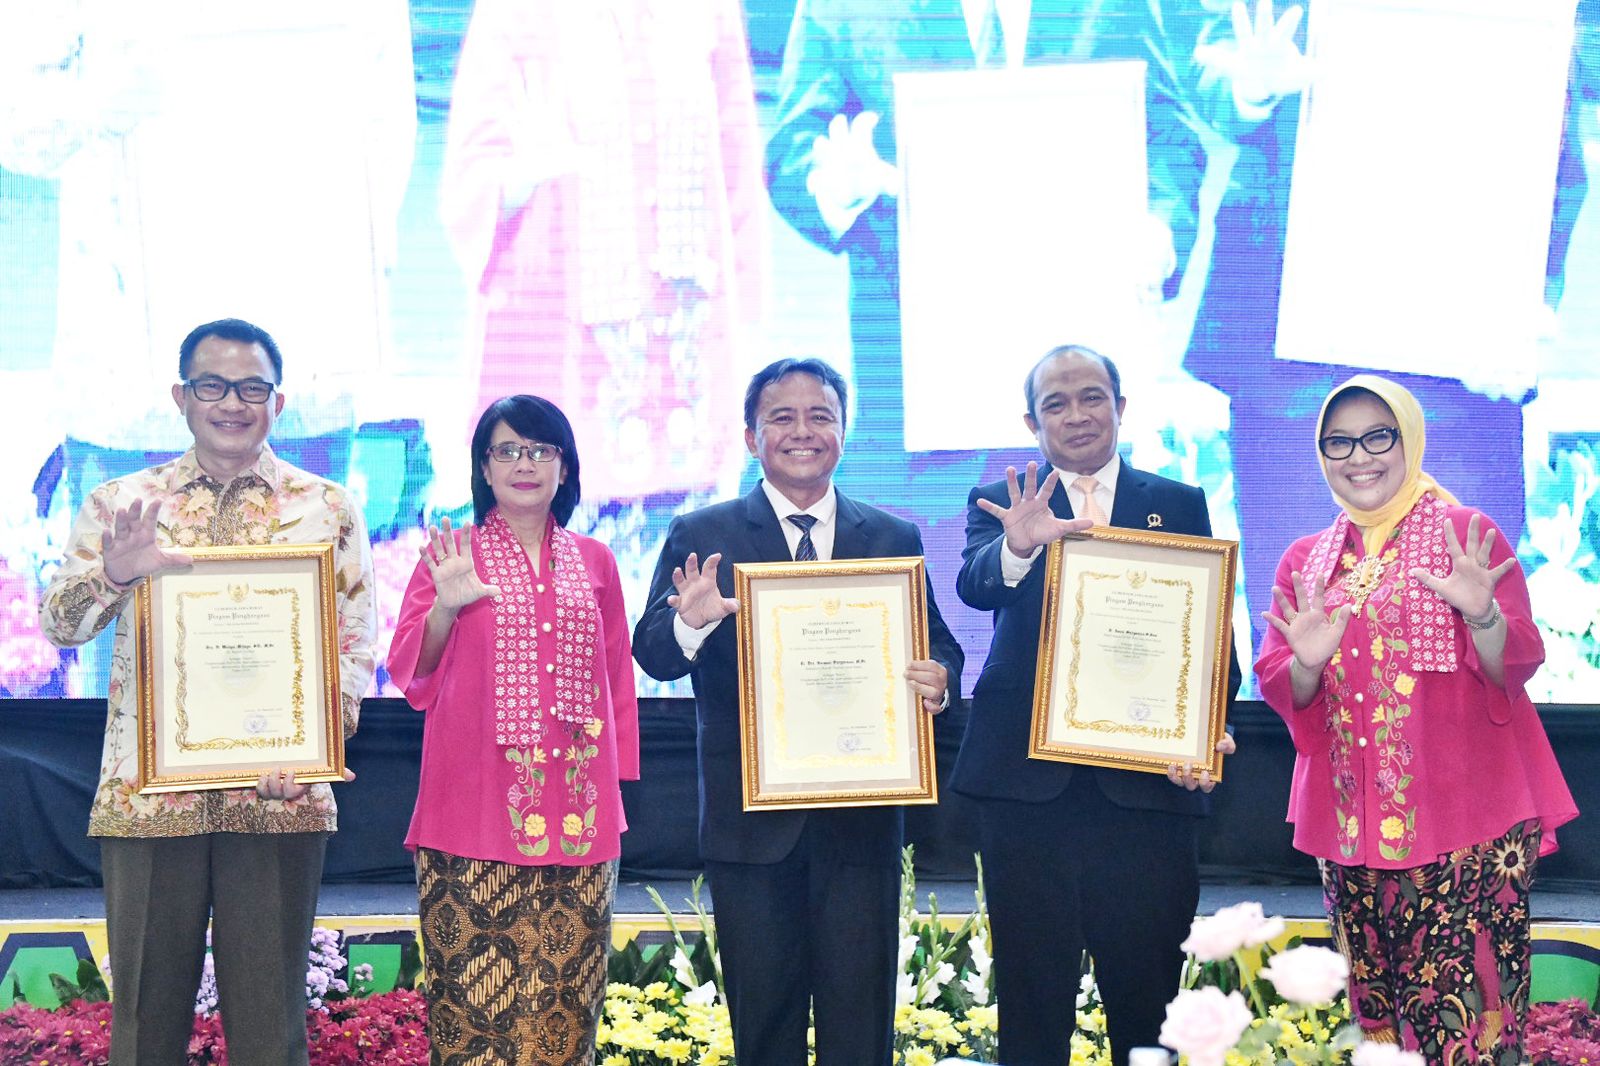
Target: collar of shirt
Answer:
[[824, 511], [187, 470], [1106, 494]]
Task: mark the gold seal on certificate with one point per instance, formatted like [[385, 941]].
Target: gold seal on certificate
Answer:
[[238, 669], [826, 716], [1134, 650]]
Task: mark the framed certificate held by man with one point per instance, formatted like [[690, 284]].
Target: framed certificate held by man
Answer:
[[238, 669], [826, 716], [1134, 650]]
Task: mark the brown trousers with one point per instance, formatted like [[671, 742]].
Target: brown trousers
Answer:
[[260, 892]]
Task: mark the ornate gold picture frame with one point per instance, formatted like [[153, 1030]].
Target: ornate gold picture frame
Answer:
[[1134, 650], [827, 718], [237, 667]]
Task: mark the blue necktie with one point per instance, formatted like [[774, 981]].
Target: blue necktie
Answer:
[[805, 551]]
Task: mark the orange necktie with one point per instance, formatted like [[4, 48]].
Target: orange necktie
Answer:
[[1091, 506]]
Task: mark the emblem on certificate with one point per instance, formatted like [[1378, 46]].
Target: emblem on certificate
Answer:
[[237, 667], [1134, 650], [826, 716]]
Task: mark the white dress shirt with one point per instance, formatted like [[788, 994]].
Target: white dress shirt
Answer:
[[1014, 567], [825, 511]]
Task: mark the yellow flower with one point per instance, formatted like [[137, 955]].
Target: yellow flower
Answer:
[[572, 825], [1378, 715], [1392, 827], [1351, 826], [593, 727], [533, 825], [919, 1056], [1377, 648], [1404, 684], [538, 754]]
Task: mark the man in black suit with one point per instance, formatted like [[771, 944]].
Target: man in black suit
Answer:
[[806, 901], [1074, 857]]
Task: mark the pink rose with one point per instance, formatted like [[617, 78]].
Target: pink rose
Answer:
[[1203, 1024], [1371, 1054], [1230, 929], [1307, 975]]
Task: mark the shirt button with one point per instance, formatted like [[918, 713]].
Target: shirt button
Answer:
[[550, 668], [538, 588], [1362, 742], [1355, 653], [545, 627], [1358, 698]]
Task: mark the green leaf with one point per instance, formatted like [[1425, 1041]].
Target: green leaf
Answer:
[[526, 849], [92, 983], [513, 755], [1405, 781], [588, 818], [591, 752], [516, 819], [541, 846], [568, 847], [1388, 852], [410, 964], [66, 991]]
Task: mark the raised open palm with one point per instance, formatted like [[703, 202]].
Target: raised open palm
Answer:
[[129, 550], [448, 555], [1029, 522]]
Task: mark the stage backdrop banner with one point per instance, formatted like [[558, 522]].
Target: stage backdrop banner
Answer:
[[993, 164], [1419, 243]]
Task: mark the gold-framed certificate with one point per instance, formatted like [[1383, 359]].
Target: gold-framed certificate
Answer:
[[238, 669], [1134, 650], [827, 718]]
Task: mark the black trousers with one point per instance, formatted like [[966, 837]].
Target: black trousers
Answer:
[[818, 928], [1077, 873], [259, 891]]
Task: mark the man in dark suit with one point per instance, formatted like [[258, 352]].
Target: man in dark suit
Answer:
[[807, 900], [1074, 857]]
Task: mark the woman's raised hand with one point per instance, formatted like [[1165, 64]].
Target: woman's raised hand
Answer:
[[1307, 627], [448, 555], [1469, 587]]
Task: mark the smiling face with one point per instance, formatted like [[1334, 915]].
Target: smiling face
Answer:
[[1075, 416], [522, 488], [1367, 481], [228, 433], [798, 437]]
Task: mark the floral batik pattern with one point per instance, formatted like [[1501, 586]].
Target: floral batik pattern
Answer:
[[515, 959], [1440, 954], [270, 503]]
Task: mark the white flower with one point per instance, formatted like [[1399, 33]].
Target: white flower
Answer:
[[905, 990], [981, 959], [908, 947], [1307, 974], [936, 981], [1371, 1054], [704, 996], [1203, 1024], [977, 986], [1230, 929], [683, 969]]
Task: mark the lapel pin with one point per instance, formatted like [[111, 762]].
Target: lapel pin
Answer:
[[1153, 521]]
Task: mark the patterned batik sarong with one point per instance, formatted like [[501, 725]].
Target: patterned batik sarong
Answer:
[[515, 959], [1440, 954]]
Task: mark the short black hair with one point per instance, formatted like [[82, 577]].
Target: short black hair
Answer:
[[783, 368], [533, 418], [1070, 349], [230, 329]]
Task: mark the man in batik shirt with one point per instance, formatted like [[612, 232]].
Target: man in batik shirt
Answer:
[[250, 859]]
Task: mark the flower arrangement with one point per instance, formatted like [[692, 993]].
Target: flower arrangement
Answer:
[[1243, 1004]]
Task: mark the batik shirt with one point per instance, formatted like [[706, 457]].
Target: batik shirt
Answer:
[[270, 503]]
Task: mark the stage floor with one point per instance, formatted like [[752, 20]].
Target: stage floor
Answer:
[[633, 902]]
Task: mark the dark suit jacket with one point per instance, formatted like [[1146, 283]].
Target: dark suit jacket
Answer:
[[747, 531], [994, 762]]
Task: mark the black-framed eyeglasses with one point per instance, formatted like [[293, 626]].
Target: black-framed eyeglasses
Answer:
[[250, 390], [1373, 442], [510, 452]]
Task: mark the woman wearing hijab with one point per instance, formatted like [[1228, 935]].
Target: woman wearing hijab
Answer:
[[1423, 782], [513, 638]]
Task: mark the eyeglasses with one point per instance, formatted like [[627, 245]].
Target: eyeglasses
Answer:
[[509, 452], [1375, 442], [250, 390]]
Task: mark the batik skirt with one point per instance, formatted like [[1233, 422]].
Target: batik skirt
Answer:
[[515, 959], [1440, 954]]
